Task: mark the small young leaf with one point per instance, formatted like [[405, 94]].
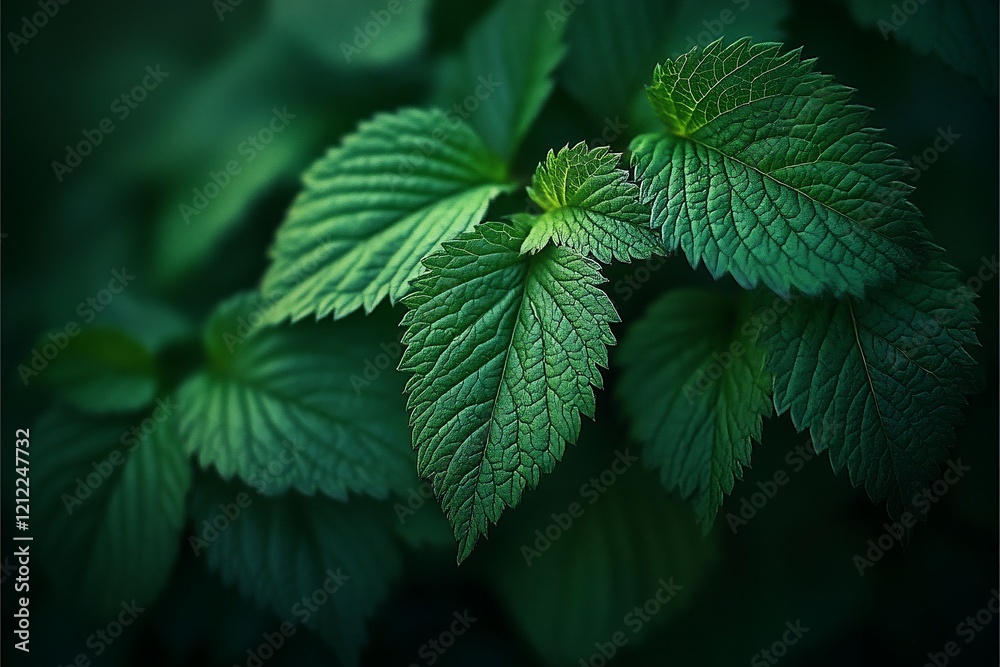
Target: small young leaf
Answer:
[[504, 349], [503, 74], [695, 387], [373, 208], [767, 172], [314, 561], [590, 205], [110, 492], [312, 406], [887, 375]]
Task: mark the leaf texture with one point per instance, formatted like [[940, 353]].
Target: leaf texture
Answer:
[[606, 73], [879, 383], [373, 208], [695, 388], [590, 205], [767, 172], [111, 493], [502, 76], [315, 407], [504, 349]]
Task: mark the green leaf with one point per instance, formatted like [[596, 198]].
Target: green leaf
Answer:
[[503, 74], [886, 375], [312, 407], [962, 33], [103, 370], [614, 44], [373, 208], [312, 561], [504, 349], [629, 543], [590, 205], [110, 492], [695, 388], [765, 171]]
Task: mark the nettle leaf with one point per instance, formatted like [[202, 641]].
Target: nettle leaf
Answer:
[[504, 349], [111, 492], [962, 33], [606, 73], [373, 208], [765, 171], [102, 370], [312, 561], [695, 388], [590, 205], [503, 74], [311, 407], [887, 375]]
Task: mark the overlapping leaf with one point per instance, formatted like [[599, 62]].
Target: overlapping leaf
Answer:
[[312, 407], [590, 205], [886, 375], [312, 561], [503, 75], [373, 208], [110, 492], [767, 172], [504, 349], [695, 388]]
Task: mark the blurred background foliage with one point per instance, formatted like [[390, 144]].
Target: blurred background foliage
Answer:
[[230, 66]]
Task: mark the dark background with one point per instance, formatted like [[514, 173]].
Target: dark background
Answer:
[[793, 561]]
